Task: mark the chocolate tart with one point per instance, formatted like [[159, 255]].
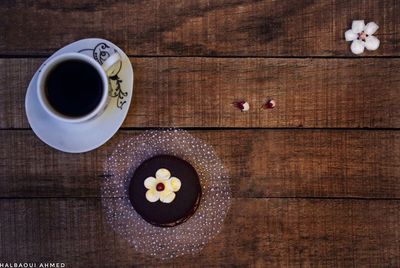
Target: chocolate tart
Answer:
[[187, 198]]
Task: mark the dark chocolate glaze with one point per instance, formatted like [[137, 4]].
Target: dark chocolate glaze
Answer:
[[187, 198]]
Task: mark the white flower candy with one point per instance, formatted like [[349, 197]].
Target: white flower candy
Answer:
[[362, 37], [162, 187], [244, 106]]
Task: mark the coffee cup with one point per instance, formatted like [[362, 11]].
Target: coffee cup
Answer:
[[73, 87]]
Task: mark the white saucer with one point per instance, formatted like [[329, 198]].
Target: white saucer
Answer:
[[85, 136]]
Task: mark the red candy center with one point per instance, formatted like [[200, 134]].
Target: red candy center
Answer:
[[160, 187], [362, 36]]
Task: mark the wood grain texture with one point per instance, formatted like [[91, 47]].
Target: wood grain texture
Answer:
[[174, 27], [262, 163], [303, 197], [198, 92], [256, 233]]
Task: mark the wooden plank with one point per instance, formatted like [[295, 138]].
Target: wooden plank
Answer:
[[257, 233], [198, 92], [173, 27], [262, 163]]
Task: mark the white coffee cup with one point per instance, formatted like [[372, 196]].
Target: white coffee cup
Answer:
[[102, 71]]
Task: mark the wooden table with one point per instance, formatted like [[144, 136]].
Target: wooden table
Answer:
[[316, 180]]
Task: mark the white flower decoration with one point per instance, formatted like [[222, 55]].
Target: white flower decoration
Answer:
[[362, 36], [162, 187]]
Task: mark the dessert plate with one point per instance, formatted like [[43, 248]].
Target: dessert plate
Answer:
[[199, 227], [88, 135]]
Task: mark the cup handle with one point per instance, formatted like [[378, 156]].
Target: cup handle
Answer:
[[113, 59]]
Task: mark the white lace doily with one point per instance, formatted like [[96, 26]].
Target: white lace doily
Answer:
[[188, 237]]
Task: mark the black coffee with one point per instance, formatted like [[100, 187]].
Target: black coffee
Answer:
[[74, 88]]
